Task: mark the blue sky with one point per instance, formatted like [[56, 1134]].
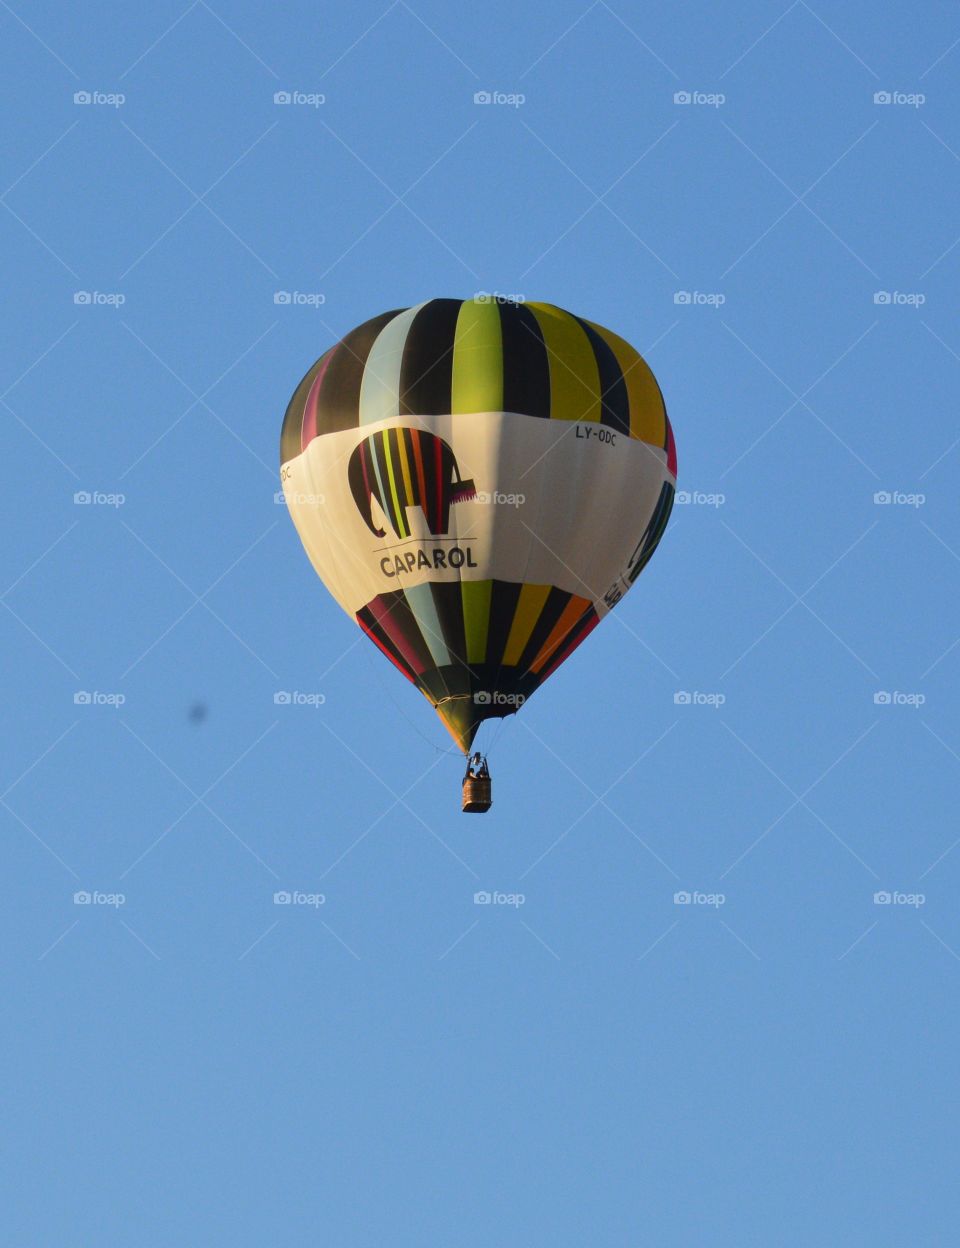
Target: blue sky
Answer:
[[764, 201]]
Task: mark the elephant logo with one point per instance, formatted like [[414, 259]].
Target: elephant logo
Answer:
[[403, 468]]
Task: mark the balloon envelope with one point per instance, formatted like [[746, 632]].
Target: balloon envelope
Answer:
[[478, 483]]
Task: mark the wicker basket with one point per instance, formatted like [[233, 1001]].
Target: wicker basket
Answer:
[[477, 795]]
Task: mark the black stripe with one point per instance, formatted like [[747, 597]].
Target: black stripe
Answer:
[[614, 400], [379, 444], [457, 682], [426, 370], [566, 648], [654, 531], [557, 599], [339, 406], [433, 684], [393, 437], [400, 622], [526, 365], [448, 602], [503, 605]]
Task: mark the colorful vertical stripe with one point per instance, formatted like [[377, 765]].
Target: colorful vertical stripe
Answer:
[[455, 357], [468, 640]]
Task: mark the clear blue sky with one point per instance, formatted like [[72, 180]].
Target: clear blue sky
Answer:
[[399, 1066]]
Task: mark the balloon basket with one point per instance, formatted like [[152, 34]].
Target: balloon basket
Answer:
[[477, 795]]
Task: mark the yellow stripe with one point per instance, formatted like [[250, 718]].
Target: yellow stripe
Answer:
[[476, 617], [401, 513], [574, 376], [477, 383], [647, 413], [529, 605], [405, 466]]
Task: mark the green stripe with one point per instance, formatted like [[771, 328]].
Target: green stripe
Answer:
[[574, 374], [476, 617], [477, 384], [398, 510]]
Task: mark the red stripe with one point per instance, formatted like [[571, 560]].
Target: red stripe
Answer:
[[418, 456], [308, 430], [588, 628], [389, 623], [671, 449], [439, 459], [377, 642]]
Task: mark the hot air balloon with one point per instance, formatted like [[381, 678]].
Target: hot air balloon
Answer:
[[478, 482]]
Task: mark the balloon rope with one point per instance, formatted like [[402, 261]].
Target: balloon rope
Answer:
[[452, 749]]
